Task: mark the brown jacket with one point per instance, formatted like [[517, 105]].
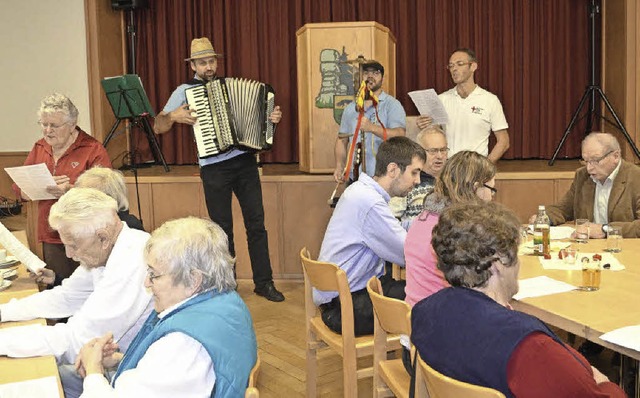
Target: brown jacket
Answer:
[[624, 201]]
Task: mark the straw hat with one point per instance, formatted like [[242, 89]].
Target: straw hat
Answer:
[[202, 48]]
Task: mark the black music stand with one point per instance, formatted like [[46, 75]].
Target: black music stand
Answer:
[[129, 101], [592, 89]]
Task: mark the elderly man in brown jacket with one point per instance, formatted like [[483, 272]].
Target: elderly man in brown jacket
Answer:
[[606, 190]]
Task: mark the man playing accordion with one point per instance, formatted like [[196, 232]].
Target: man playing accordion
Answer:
[[233, 171]]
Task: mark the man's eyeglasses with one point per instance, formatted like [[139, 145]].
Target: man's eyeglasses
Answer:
[[493, 190], [152, 275], [52, 126], [435, 151], [459, 64], [595, 162]]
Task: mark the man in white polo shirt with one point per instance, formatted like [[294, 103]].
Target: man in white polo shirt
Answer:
[[473, 111]]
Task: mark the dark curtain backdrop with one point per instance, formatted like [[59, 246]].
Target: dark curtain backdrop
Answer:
[[534, 54]]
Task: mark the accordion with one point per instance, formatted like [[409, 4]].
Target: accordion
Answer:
[[231, 113]]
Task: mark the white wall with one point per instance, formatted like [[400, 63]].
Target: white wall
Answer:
[[43, 50]]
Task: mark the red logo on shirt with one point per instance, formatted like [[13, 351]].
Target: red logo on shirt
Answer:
[[477, 110]]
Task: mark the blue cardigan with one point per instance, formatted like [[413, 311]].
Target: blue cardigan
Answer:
[[221, 323]]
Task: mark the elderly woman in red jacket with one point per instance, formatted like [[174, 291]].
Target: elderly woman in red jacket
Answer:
[[67, 151]]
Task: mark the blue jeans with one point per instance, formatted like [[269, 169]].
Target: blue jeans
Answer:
[[239, 175]]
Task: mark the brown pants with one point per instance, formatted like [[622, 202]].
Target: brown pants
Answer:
[[57, 260]]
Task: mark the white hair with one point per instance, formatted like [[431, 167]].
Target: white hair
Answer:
[[83, 211], [107, 180], [193, 245], [433, 129], [606, 140], [57, 102]]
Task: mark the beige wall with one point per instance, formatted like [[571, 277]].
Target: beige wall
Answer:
[[44, 50]]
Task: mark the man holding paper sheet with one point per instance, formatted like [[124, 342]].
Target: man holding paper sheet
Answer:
[[473, 111], [106, 293], [385, 120]]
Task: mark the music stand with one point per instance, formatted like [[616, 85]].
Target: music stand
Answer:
[[129, 101], [592, 89]]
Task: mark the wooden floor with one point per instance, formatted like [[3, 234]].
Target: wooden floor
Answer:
[[281, 344]]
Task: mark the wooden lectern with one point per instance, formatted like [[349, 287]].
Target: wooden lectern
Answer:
[[326, 81]]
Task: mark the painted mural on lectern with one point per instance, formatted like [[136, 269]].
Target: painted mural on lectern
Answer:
[[339, 79]]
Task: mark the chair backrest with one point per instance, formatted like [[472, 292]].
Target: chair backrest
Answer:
[[255, 372], [441, 386], [391, 313], [328, 277]]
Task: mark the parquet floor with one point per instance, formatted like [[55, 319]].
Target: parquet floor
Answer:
[[281, 345]]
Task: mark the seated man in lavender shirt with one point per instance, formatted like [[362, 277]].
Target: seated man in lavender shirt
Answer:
[[363, 233]]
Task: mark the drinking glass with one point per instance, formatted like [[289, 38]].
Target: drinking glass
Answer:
[[614, 240], [582, 230]]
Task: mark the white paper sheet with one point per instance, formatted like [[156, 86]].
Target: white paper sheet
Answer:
[[628, 337], [429, 104], [556, 263], [46, 387], [26, 257], [556, 233], [527, 248], [33, 180], [541, 286]]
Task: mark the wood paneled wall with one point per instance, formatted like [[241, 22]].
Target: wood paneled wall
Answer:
[[621, 67], [296, 210], [9, 159], [106, 57]]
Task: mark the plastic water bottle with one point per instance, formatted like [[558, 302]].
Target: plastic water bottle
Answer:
[[541, 236]]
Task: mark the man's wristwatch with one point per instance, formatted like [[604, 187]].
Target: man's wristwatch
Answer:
[[605, 228]]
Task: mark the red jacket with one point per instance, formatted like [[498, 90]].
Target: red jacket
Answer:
[[82, 155]]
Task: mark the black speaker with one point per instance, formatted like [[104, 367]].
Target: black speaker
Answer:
[[128, 5]]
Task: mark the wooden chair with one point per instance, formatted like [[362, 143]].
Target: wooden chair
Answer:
[[441, 386], [252, 386], [329, 277], [391, 316]]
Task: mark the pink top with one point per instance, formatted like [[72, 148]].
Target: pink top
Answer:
[[423, 276]]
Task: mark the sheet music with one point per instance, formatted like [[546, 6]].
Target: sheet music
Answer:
[[32, 180], [15, 247], [429, 104], [46, 387]]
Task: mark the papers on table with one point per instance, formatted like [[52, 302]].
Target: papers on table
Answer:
[[541, 286], [46, 387], [557, 233], [561, 232], [527, 248], [13, 245], [429, 104], [33, 180], [628, 337], [556, 263]]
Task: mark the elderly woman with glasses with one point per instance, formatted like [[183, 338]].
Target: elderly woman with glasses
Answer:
[[466, 177], [470, 333], [199, 341], [67, 151]]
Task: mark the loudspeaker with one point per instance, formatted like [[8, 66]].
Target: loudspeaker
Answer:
[[128, 5]]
